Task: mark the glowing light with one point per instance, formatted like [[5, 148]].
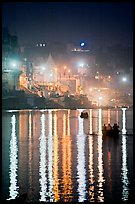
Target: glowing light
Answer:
[[91, 168], [96, 77], [100, 121], [81, 64], [124, 79], [56, 159], [66, 160], [100, 165], [43, 162], [81, 171], [13, 189], [100, 97], [82, 44], [124, 170], [50, 156], [124, 120]]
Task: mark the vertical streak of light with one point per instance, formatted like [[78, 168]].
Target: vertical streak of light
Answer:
[[109, 116], [100, 122], [55, 165], [13, 189], [42, 162], [124, 170], [69, 153], [50, 155], [81, 171], [66, 161], [109, 172], [117, 120], [68, 123], [124, 121], [30, 150], [100, 161], [90, 121], [91, 169]]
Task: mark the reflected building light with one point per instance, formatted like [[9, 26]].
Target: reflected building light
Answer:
[[42, 162], [109, 116], [124, 121], [90, 131], [56, 160], [117, 117], [13, 188], [91, 169], [64, 124], [30, 150], [100, 122], [66, 163], [109, 179], [81, 169], [100, 170], [124, 170], [50, 159], [68, 123]]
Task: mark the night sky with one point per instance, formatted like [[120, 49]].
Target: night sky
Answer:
[[96, 23]]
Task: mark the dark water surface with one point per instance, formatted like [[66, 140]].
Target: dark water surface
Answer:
[[52, 156]]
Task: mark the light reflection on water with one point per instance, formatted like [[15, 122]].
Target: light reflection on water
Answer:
[[124, 169], [42, 162], [81, 169], [60, 160], [13, 188]]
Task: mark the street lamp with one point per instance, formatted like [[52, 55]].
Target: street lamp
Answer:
[[14, 65]]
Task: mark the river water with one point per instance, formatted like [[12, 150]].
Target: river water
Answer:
[[52, 156]]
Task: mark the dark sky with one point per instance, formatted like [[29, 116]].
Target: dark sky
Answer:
[[96, 23]]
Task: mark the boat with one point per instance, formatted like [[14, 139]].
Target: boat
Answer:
[[111, 132], [84, 115]]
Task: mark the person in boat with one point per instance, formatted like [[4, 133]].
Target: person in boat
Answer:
[[109, 127], [104, 127], [115, 126]]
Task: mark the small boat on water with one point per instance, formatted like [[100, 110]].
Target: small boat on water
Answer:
[[84, 115], [111, 131]]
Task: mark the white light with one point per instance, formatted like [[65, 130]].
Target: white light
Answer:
[[14, 64], [13, 188], [43, 68], [82, 44], [124, 79], [100, 97], [81, 65], [81, 171]]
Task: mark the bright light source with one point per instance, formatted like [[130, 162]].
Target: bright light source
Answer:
[[124, 79], [81, 65], [100, 98], [82, 44], [43, 68], [96, 77], [90, 89], [14, 64]]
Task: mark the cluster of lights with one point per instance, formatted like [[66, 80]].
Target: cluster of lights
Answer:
[[41, 45]]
